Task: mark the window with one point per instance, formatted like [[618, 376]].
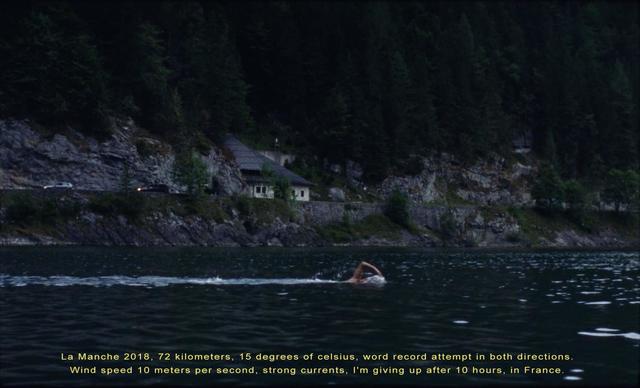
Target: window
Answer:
[[293, 193], [264, 189], [257, 189], [302, 193]]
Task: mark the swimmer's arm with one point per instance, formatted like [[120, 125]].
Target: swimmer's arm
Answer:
[[364, 263], [357, 273]]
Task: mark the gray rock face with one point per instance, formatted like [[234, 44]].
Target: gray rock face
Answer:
[[171, 230], [336, 194], [335, 168], [488, 182], [354, 173], [321, 213], [30, 160], [571, 238], [420, 188], [226, 173]]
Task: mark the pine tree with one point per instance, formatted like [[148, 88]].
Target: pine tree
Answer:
[[55, 75], [335, 130], [623, 139], [548, 190], [148, 76], [400, 105]]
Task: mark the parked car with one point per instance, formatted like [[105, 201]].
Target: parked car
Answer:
[[58, 185], [154, 188]]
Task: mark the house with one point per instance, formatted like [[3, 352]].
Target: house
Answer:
[[251, 165]]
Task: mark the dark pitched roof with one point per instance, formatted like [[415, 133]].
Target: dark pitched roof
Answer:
[[250, 160]]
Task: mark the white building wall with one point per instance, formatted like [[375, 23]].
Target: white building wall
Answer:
[[301, 193], [261, 190]]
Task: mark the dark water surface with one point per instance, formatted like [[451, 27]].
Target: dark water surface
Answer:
[[98, 300]]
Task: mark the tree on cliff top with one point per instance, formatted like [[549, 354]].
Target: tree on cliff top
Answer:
[[190, 171]]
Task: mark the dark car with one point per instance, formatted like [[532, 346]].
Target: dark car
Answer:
[[154, 188]]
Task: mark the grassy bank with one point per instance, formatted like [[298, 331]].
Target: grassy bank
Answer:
[[536, 224], [377, 225]]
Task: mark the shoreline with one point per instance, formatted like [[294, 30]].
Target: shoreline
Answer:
[[538, 249], [136, 220]]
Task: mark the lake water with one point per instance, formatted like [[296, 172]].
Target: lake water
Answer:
[[291, 301]]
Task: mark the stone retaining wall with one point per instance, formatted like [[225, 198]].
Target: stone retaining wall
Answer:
[[320, 212]]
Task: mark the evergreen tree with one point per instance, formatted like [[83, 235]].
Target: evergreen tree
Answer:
[[548, 190], [335, 131], [399, 106], [373, 82], [189, 170], [53, 74], [148, 75], [622, 187], [623, 140]]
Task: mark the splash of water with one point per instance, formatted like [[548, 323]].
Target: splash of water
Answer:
[[146, 281], [374, 280]]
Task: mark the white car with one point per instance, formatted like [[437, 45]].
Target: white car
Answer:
[[59, 185]]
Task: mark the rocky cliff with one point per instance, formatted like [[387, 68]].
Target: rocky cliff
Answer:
[[31, 159], [445, 180], [450, 203]]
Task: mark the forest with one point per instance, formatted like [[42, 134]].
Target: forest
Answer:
[[373, 82]]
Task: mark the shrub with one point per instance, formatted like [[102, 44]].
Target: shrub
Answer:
[[243, 204], [448, 226], [346, 219], [282, 189], [548, 191], [518, 237], [204, 208], [397, 208], [131, 206], [577, 200], [372, 225], [125, 179], [22, 209], [281, 185], [622, 187], [349, 207], [263, 211], [575, 195]]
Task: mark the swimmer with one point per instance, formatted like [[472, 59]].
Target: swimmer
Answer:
[[358, 277]]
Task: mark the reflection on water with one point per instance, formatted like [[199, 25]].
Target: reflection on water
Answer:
[[293, 301], [635, 336]]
